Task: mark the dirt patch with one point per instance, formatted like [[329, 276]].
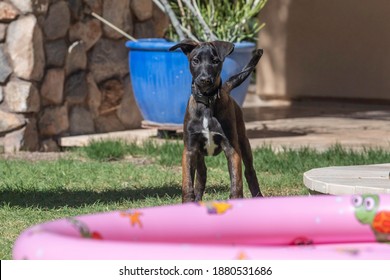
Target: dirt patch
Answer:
[[36, 156], [52, 156], [138, 160]]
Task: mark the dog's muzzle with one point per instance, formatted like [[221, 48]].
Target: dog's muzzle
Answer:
[[204, 84]]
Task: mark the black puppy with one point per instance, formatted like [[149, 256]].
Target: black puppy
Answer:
[[213, 121]]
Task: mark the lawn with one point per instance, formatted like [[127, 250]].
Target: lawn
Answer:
[[112, 175]]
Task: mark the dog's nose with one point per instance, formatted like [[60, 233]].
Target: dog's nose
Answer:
[[205, 80]]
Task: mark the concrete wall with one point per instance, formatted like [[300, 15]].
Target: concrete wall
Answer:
[[333, 48]]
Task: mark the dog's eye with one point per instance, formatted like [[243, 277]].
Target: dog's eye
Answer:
[[215, 61], [195, 61]]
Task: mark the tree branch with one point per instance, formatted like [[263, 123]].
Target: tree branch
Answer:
[[173, 18]]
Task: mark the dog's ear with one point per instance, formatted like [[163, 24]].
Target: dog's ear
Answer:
[[223, 48], [186, 46]]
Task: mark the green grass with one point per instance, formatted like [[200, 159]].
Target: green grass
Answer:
[[114, 176], [105, 150]]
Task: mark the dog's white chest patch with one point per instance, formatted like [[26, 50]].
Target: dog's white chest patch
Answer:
[[210, 145]]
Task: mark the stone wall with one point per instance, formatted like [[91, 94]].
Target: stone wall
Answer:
[[65, 73]]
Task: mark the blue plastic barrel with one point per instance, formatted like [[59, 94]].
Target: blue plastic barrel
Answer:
[[161, 80]]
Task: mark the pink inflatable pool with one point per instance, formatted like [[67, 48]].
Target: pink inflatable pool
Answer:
[[318, 227]]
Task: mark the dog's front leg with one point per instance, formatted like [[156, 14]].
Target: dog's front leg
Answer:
[[188, 171], [235, 171], [201, 176]]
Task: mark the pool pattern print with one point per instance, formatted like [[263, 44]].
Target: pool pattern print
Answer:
[[366, 211]]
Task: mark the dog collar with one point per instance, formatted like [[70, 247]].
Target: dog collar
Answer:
[[207, 100]]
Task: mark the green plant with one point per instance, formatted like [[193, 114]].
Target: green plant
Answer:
[[207, 20]]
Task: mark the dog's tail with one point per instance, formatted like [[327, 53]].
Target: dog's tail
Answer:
[[237, 79]]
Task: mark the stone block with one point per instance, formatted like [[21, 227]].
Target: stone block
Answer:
[[7, 12], [3, 31], [81, 121], [76, 9], [40, 7], [112, 94], [56, 52], [118, 13], [57, 21], [142, 9], [89, 32], [49, 145], [13, 141], [76, 59], [5, 69], [76, 88], [95, 6], [24, 139], [25, 47], [25, 6], [10, 121], [128, 112], [94, 96], [31, 6], [21, 96], [108, 59], [54, 121], [52, 90], [108, 123], [144, 29]]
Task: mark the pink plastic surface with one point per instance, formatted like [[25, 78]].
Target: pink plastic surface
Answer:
[[327, 227]]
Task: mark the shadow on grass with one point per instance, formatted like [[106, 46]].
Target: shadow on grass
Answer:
[[68, 198]]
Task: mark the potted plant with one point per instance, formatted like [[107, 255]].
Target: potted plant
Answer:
[[161, 80]]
